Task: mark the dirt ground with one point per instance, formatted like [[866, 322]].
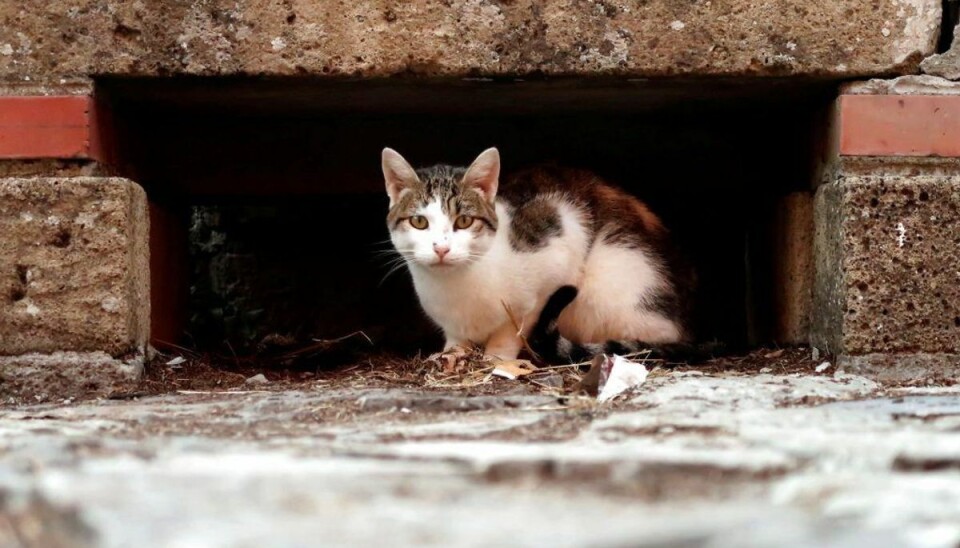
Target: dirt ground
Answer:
[[179, 369]]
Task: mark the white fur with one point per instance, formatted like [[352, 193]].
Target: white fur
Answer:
[[468, 297], [615, 280]]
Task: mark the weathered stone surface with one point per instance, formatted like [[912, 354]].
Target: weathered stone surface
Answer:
[[947, 64], [441, 402], [904, 367], [36, 378], [793, 267], [33, 521], [887, 250], [75, 38], [74, 269], [50, 168], [30, 88], [692, 460], [903, 85]]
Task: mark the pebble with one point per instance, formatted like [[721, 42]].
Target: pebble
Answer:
[[257, 379]]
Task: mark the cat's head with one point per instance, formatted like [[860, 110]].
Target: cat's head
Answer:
[[442, 217]]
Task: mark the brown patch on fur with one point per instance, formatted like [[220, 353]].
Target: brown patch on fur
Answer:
[[472, 203], [650, 220], [533, 224], [444, 183], [406, 206]]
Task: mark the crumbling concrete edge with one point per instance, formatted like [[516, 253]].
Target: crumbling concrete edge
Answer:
[[903, 367], [34, 378]]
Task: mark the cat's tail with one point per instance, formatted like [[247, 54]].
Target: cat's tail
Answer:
[[551, 347]]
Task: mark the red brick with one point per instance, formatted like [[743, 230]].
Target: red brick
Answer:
[[45, 127], [900, 125]]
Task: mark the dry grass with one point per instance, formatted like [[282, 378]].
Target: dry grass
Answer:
[[320, 364]]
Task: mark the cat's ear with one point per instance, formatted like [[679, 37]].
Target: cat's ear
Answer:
[[397, 174], [484, 173]]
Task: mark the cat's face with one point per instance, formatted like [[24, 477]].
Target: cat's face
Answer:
[[442, 217]]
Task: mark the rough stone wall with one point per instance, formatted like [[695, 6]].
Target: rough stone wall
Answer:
[[66, 39]]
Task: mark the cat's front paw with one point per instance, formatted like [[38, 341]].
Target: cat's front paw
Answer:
[[458, 351], [449, 358]]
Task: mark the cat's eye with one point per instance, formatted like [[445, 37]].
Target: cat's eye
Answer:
[[419, 222], [463, 222]]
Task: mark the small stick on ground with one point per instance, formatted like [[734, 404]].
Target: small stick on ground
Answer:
[[519, 327]]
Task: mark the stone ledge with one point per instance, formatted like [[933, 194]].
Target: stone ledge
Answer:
[[903, 85], [32, 378], [885, 367], [51, 167], [378, 38], [74, 271]]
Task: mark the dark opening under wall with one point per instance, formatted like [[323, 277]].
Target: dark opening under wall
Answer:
[[272, 204]]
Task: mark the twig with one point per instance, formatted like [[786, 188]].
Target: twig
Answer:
[[345, 337], [645, 353], [519, 327], [192, 353], [570, 366], [234, 352], [319, 345]]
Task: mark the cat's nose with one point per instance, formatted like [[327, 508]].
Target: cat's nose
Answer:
[[441, 249]]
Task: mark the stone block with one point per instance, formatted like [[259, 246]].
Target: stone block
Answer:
[[887, 258], [793, 267], [74, 272], [53, 40]]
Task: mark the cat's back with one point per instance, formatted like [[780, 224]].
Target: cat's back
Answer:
[[632, 263], [606, 208]]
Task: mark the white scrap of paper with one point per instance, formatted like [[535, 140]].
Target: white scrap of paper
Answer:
[[177, 361], [623, 374], [823, 367], [513, 369], [497, 372]]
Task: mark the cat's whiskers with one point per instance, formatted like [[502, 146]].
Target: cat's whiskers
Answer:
[[398, 264]]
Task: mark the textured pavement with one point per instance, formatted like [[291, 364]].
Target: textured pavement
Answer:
[[687, 460]]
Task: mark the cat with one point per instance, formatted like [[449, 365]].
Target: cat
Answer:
[[487, 255]]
